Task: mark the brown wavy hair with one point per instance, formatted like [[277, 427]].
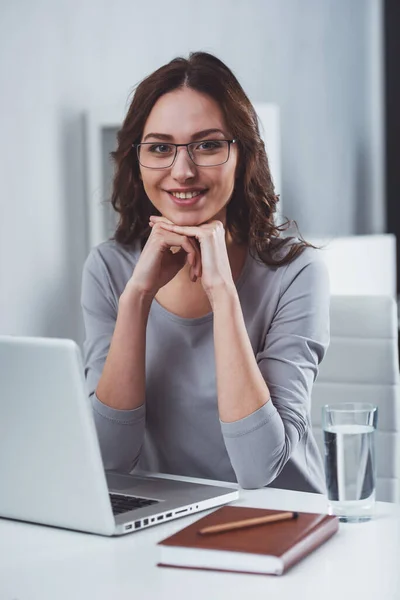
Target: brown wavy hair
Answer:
[[251, 211]]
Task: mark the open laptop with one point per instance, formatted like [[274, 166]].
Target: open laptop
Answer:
[[51, 470]]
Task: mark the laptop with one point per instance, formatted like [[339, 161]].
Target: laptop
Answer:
[[51, 469]]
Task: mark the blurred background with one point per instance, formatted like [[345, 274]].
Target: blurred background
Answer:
[[67, 71]]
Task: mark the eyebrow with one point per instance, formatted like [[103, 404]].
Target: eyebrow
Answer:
[[196, 136]]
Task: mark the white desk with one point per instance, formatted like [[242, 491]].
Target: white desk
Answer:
[[44, 563]]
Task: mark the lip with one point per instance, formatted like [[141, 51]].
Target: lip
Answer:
[[186, 190], [187, 201]]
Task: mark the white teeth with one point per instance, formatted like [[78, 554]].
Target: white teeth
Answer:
[[187, 195]]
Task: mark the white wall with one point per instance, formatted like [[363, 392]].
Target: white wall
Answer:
[[58, 59]]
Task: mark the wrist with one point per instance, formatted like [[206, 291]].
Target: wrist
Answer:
[[133, 297], [222, 296]]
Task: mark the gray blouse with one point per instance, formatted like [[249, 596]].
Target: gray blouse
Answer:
[[177, 430]]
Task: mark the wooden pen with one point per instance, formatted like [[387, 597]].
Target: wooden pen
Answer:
[[284, 516]]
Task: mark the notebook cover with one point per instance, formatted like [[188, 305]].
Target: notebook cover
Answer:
[[289, 540]]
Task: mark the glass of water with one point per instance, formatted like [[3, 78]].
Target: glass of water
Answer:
[[349, 448]]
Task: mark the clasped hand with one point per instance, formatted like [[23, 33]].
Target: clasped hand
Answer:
[[169, 247], [211, 261]]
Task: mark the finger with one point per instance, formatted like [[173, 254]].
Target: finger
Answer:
[[193, 257], [198, 265], [169, 240], [183, 230], [195, 270], [192, 233], [191, 261], [194, 260], [156, 219]]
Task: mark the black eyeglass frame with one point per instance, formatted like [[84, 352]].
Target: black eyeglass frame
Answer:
[[137, 146]]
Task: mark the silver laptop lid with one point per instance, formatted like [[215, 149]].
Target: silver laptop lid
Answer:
[[51, 469]]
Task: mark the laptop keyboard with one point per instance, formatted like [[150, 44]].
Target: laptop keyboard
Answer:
[[121, 504]]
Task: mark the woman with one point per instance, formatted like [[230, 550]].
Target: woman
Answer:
[[205, 325]]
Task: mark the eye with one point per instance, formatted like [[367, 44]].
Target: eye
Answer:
[[161, 148], [209, 145]]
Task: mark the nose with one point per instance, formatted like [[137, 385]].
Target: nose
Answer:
[[183, 167]]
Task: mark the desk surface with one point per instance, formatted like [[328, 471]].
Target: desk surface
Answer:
[[45, 563]]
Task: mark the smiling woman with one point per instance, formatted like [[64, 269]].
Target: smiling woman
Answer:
[[205, 322], [172, 179]]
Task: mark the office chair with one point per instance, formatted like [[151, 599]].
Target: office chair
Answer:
[[361, 365]]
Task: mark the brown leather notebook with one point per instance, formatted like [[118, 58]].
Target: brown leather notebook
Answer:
[[269, 549]]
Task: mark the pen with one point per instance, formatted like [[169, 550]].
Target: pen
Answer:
[[284, 516]]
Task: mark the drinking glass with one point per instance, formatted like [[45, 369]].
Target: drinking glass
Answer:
[[350, 470]]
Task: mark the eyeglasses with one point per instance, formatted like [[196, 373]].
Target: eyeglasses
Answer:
[[205, 153]]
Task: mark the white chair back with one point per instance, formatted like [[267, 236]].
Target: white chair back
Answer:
[[361, 365], [360, 265]]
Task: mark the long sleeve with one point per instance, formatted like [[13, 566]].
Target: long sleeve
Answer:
[[261, 444], [120, 432]]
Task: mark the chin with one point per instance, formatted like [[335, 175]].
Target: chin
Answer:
[[186, 220]]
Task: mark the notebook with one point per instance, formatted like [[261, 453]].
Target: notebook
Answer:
[[268, 549]]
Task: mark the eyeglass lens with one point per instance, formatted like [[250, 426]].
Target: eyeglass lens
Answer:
[[204, 154]]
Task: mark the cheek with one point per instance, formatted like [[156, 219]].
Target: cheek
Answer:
[[227, 179], [224, 178], [149, 184]]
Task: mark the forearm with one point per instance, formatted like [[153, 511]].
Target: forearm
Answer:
[[240, 386], [120, 434], [122, 383]]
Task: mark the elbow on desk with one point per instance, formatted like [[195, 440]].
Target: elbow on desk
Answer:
[[251, 481], [261, 473], [250, 484]]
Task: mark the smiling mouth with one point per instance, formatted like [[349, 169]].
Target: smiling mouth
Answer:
[[186, 195]]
